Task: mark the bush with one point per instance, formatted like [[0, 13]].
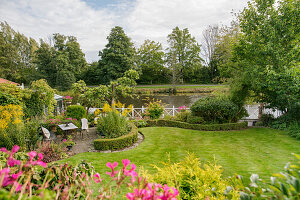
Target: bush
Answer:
[[195, 120], [65, 79], [208, 127], [75, 111], [112, 125], [182, 116], [194, 180], [51, 151], [294, 129], [154, 109], [117, 143], [266, 119], [217, 110]]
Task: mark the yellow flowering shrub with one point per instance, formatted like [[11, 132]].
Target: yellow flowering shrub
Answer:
[[120, 108], [10, 114]]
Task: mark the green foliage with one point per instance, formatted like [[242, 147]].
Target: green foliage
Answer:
[[61, 64], [195, 120], [283, 185], [150, 61], [117, 57], [208, 127], [32, 133], [112, 125], [194, 180], [75, 111], [154, 109], [13, 135], [44, 95], [217, 110], [294, 129], [182, 116], [6, 99], [183, 54], [117, 143], [17, 54], [266, 119], [267, 54], [64, 80]]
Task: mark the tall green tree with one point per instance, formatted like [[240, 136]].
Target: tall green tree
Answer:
[[268, 53], [61, 64], [117, 57], [183, 53], [17, 53], [150, 61]]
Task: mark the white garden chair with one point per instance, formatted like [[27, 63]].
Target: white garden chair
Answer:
[[84, 126], [47, 134]]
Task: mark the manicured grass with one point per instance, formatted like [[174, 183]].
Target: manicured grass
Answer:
[[257, 150]]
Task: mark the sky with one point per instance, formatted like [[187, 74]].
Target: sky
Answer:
[[91, 20]]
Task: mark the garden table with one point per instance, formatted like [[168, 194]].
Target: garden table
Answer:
[[67, 128]]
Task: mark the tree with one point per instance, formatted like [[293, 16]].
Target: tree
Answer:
[[63, 60], [210, 40], [97, 96], [223, 53], [268, 54], [17, 53], [150, 60], [183, 53], [117, 57]]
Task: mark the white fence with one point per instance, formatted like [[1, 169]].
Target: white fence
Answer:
[[252, 110]]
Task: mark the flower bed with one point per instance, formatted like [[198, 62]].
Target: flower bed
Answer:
[[119, 142], [208, 127]]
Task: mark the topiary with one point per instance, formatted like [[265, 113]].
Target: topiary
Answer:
[[75, 111], [195, 119]]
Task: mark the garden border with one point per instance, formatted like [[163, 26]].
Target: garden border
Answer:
[[201, 127], [118, 143]]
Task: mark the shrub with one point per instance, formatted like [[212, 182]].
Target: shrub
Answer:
[[182, 116], [266, 119], [194, 180], [217, 110], [112, 125], [207, 127], [51, 151], [6, 99], [154, 109], [195, 119], [283, 185], [117, 143], [75, 111], [294, 129]]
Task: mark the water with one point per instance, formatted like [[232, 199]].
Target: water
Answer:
[[167, 100]]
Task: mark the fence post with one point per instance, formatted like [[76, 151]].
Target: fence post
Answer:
[[173, 111], [142, 109], [132, 112]]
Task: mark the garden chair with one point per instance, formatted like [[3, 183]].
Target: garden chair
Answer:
[[84, 126], [48, 136]]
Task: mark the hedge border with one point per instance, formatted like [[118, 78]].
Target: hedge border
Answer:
[[117, 143], [208, 127]]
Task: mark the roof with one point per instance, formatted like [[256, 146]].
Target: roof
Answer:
[[2, 80]]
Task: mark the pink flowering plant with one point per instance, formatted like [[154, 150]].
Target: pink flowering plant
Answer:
[[182, 108], [31, 177], [52, 122]]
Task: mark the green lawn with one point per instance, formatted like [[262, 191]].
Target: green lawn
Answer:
[[256, 150]]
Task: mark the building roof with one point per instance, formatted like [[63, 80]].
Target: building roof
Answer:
[[2, 80]]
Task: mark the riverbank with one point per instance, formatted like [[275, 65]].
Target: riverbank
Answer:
[[153, 89]]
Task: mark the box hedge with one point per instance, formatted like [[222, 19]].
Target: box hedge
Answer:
[[208, 127], [117, 143]]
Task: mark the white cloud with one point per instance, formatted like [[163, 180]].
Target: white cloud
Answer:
[[141, 19]]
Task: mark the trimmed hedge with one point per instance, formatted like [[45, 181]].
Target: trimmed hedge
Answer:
[[208, 127], [117, 143]]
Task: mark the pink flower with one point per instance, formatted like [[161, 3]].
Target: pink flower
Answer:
[[31, 155], [97, 178], [112, 166], [4, 150], [15, 149], [12, 162], [125, 162]]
